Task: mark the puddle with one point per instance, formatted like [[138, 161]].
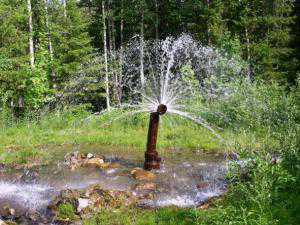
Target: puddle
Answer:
[[186, 179]]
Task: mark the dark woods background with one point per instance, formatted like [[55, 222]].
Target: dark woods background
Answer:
[[44, 44]]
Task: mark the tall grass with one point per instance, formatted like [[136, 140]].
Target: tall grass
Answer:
[[270, 192]]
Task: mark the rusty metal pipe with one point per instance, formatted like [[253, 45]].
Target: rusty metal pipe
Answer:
[[152, 160]]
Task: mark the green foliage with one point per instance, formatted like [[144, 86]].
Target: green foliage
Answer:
[[231, 45], [257, 32], [263, 28], [254, 105], [66, 211], [168, 216], [18, 156], [70, 39], [14, 67], [26, 88]]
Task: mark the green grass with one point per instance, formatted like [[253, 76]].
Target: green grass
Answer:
[[166, 216], [24, 140], [66, 211]]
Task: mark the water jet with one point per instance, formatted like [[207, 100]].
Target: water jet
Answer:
[[152, 159]]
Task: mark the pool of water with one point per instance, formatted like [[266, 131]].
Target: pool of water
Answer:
[[186, 178]]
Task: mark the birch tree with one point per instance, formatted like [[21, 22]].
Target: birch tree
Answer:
[[50, 46], [120, 77], [142, 75], [156, 20], [65, 7], [30, 25], [105, 55]]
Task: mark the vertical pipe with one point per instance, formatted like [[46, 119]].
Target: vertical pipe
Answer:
[[152, 160]]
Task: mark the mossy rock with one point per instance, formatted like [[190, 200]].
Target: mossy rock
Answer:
[[66, 197], [108, 198]]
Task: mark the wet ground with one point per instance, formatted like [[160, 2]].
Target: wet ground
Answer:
[[186, 179]]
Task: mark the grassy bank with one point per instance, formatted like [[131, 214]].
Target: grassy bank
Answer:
[[27, 137], [23, 140]]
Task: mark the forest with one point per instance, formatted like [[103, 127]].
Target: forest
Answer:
[[45, 43], [79, 78]]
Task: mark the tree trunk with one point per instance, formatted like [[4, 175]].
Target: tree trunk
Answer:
[[112, 50], [90, 7], [249, 70], [50, 47], [156, 20], [65, 8], [113, 35], [109, 27], [142, 75], [105, 55], [115, 72], [208, 25], [120, 77], [112, 27], [31, 48]]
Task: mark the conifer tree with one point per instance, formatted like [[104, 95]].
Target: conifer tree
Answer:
[[14, 53], [263, 28], [70, 39]]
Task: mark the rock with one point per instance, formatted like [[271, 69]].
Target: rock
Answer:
[[35, 217], [114, 165], [82, 204], [63, 221], [74, 167], [29, 176], [10, 223], [7, 211], [108, 198], [90, 155], [105, 165], [65, 196], [204, 206], [75, 160], [94, 163], [2, 222], [145, 186], [140, 174]]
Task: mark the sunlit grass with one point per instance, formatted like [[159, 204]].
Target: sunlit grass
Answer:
[[25, 138]]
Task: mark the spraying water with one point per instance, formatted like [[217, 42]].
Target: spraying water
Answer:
[[178, 73]]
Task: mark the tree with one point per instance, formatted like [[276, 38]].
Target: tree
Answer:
[[263, 28], [14, 57], [30, 25], [142, 37], [105, 55], [70, 39], [50, 46]]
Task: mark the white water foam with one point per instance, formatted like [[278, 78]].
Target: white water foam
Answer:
[[30, 196]]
